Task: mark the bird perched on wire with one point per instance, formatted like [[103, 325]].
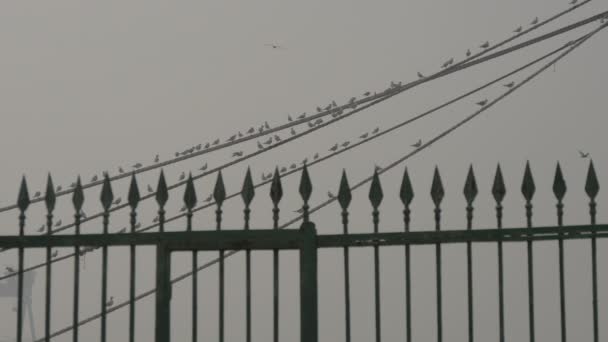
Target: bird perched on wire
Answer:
[[330, 195], [304, 161], [269, 141], [376, 130], [573, 2], [137, 225], [204, 167], [122, 230], [217, 141], [302, 116], [293, 131], [58, 188], [117, 201], [417, 143], [277, 138], [58, 223], [9, 269], [293, 166], [209, 198], [485, 45], [583, 154], [283, 169], [156, 159], [120, 170], [319, 109], [182, 176], [240, 134], [73, 185], [198, 147], [367, 93], [468, 53], [535, 21], [420, 75], [482, 103], [150, 188], [237, 154], [41, 229], [345, 144], [155, 219], [266, 125], [328, 107], [447, 63], [509, 85], [518, 29], [183, 209], [333, 148], [260, 146], [289, 118], [207, 145], [364, 135], [55, 253], [232, 138], [319, 121], [311, 124], [251, 130], [316, 156], [37, 194], [110, 302], [137, 165]]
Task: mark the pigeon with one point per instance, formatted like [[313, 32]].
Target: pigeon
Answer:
[[124, 229], [304, 161], [207, 145], [117, 201], [240, 134], [316, 156], [55, 253], [73, 185], [263, 177], [155, 219], [251, 130], [573, 2], [237, 154], [261, 129], [110, 302], [260, 146], [150, 188], [183, 209], [176, 155], [232, 138], [330, 195], [58, 223], [9, 269], [367, 93], [420, 75], [41, 229], [482, 103], [535, 21], [377, 168], [393, 84], [353, 99], [485, 45], [204, 167], [468, 53], [293, 131], [447, 63], [137, 225], [198, 147], [509, 85], [208, 199], [311, 124], [417, 144], [376, 130], [518, 29], [217, 141], [182, 176], [293, 166], [302, 116], [289, 118], [137, 166], [83, 214], [364, 135], [334, 148], [328, 107], [319, 109], [583, 154], [269, 141], [266, 125], [156, 159], [37, 194], [283, 169], [277, 138], [120, 170], [335, 115], [58, 188], [334, 104], [345, 144]]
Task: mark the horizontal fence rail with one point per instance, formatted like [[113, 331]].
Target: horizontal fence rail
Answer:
[[275, 239]]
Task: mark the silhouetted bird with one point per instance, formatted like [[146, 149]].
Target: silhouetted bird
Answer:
[[37, 194], [420, 75], [535, 21], [182, 176], [73, 185], [304, 161], [204, 167], [266, 125], [240, 134], [377, 168], [330, 195], [217, 141], [518, 29], [328, 107], [289, 118], [110, 302], [302, 116], [316, 156], [345, 144], [293, 166], [367, 93], [176, 155], [207, 145], [482, 103], [156, 159], [261, 129], [334, 148], [319, 109], [293, 131], [155, 219], [208, 199], [55, 253], [334, 104], [198, 147], [117, 201], [120, 170], [150, 188], [299, 211], [260, 146], [83, 214], [237, 154], [277, 138], [269, 141], [447, 63], [583, 154], [251, 130], [137, 166], [352, 100], [283, 169], [58, 223], [232, 138], [509, 85], [41, 229], [417, 144], [319, 121], [485, 45], [376, 130], [123, 230], [58, 188], [573, 2], [183, 209], [311, 124], [364, 135], [9, 269]]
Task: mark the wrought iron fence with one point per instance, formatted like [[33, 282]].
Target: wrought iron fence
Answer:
[[306, 240]]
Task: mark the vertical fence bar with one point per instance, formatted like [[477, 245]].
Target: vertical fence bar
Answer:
[[470, 192], [308, 284], [559, 190], [23, 201], [344, 198], [163, 293], [528, 188], [375, 197], [498, 192], [592, 188], [106, 200], [190, 201], [77, 201], [276, 193], [437, 194], [49, 199], [134, 198], [406, 194], [219, 194], [247, 193]]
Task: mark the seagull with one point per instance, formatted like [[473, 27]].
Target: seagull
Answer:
[[156, 159], [260, 146], [41, 229], [518, 30], [120, 170], [58, 223], [55, 253], [204, 167], [137, 166], [150, 188], [482, 103], [367, 93], [330, 195], [334, 148], [37, 194], [418, 143], [509, 85], [110, 302], [289, 118], [583, 154], [182, 176], [217, 141], [232, 138], [269, 141], [208, 199], [420, 75], [485, 45], [293, 131], [124, 229], [376, 130], [364, 135], [345, 144], [302, 116], [277, 138], [237, 154], [535, 21], [117, 201]]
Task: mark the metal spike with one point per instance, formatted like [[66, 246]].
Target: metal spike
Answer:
[[23, 200], [78, 196], [527, 186], [344, 193], [498, 188], [559, 185], [375, 191], [190, 193], [276, 189], [406, 193], [133, 196], [49, 197], [592, 187], [162, 194], [219, 192], [248, 190], [305, 184], [106, 193], [470, 186], [437, 192]]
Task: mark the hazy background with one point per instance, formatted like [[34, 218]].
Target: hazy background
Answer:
[[90, 86]]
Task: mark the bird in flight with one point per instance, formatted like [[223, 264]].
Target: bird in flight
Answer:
[[418, 143], [583, 154], [275, 46], [510, 84], [482, 103], [485, 45]]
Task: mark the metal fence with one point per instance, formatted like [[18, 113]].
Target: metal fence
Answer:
[[305, 240]]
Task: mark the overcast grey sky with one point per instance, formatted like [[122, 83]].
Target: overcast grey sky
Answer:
[[90, 86]]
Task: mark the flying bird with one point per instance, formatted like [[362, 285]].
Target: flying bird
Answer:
[[583, 154], [417, 144], [535, 21], [237, 154], [485, 45], [482, 103], [509, 85]]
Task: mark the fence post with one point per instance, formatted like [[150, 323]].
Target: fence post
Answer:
[[308, 284], [163, 293]]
